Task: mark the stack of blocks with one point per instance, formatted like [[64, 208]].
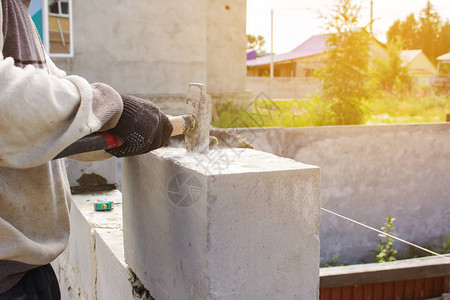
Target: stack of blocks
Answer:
[[225, 224]]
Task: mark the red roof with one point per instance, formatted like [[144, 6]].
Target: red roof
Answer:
[[312, 46]]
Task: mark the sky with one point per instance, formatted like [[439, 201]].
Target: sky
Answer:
[[297, 20]]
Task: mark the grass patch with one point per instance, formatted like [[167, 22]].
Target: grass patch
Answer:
[[411, 109], [315, 112]]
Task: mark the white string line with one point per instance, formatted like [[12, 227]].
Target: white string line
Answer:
[[387, 234]]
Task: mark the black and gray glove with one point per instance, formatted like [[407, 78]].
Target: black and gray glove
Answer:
[[142, 127]]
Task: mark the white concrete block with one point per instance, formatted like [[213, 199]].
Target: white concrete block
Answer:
[[113, 277], [75, 265], [82, 264], [229, 224]]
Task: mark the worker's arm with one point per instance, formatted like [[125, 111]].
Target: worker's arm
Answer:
[[142, 126], [41, 114]]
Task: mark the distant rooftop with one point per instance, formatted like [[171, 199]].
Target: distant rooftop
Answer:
[[408, 56], [445, 56], [253, 54], [312, 46]]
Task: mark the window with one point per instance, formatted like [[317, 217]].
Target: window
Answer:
[[58, 27], [53, 20], [60, 8], [309, 73]]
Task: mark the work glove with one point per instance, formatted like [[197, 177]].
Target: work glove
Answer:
[[142, 127]]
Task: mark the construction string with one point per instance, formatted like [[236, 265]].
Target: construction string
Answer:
[[386, 234]]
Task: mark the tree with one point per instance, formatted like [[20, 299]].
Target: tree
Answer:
[[430, 25], [407, 31], [428, 32], [443, 42], [255, 42], [345, 74], [392, 75]]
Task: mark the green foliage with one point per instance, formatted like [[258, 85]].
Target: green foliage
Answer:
[[268, 113], [443, 42], [255, 42], [405, 31], [333, 262], [409, 108], [386, 252], [345, 75], [317, 112], [391, 75], [428, 32], [446, 245], [436, 246]]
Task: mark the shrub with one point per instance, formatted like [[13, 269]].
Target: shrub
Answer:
[[386, 252]]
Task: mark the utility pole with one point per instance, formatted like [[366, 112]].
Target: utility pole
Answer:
[[371, 16], [271, 43]]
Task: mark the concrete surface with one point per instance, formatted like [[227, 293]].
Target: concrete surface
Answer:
[[74, 267], [155, 48], [368, 173], [226, 42], [230, 224], [93, 264], [113, 275]]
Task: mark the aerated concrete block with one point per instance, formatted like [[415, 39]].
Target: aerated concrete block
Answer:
[[228, 224]]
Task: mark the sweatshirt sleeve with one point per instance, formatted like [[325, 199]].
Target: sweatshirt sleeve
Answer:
[[107, 103], [41, 114]]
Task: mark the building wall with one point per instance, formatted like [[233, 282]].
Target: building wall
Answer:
[[422, 70], [297, 67], [368, 173], [377, 50], [226, 46], [294, 79], [286, 69], [305, 67], [421, 66], [156, 48], [282, 87]]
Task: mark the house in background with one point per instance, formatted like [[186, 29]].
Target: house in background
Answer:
[[302, 61], [420, 67], [252, 54], [293, 71], [442, 79], [443, 68]]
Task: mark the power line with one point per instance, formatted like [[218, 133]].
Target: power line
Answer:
[[384, 233]]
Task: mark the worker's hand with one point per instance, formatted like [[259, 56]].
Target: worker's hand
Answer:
[[142, 127], [227, 138]]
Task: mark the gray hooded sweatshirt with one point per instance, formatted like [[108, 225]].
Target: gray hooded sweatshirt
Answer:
[[42, 111]]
